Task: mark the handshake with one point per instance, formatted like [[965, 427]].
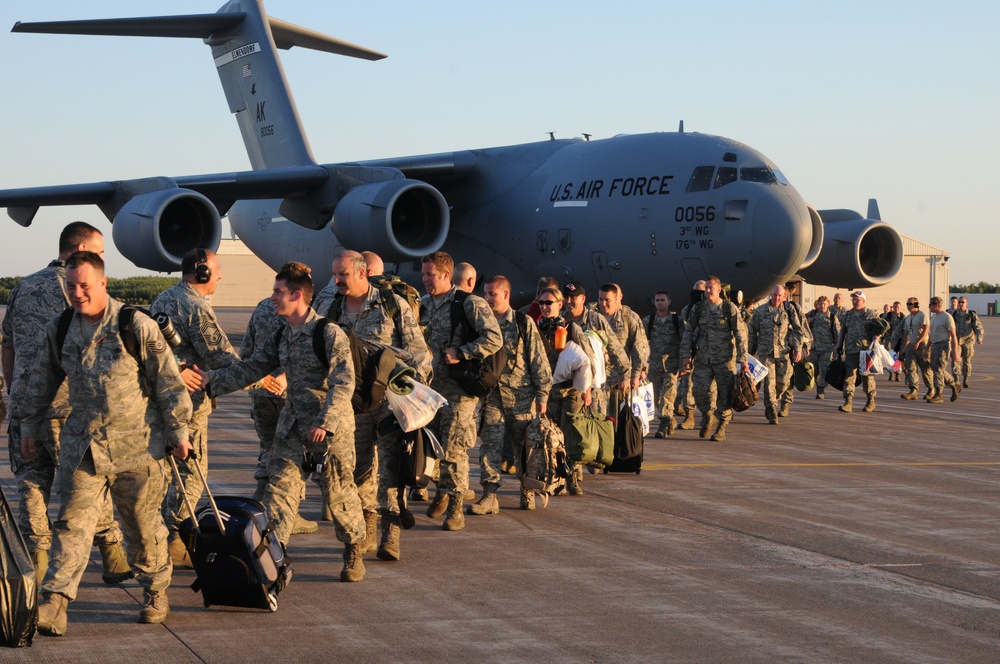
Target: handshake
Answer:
[[195, 379]]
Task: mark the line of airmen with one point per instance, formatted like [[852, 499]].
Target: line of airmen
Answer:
[[121, 411]]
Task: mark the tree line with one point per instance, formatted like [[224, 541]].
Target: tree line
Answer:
[[130, 290], [981, 287]]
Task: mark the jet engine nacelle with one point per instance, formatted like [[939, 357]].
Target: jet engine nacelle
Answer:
[[399, 220], [857, 252], [155, 230]]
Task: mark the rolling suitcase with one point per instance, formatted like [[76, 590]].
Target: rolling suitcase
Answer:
[[18, 588], [236, 555]]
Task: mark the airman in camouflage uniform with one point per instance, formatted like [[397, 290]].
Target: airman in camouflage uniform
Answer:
[[856, 336], [716, 337], [456, 422], [616, 360], [379, 316], [522, 393], [685, 398], [665, 330], [944, 343], [911, 335], [205, 345], [35, 301], [797, 323], [315, 432], [771, 335], [108, 444], [825, 327], [970, 332], [627, 327]]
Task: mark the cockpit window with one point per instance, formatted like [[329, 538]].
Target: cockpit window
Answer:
[[701, 179], [760, 174], [780, 176], [726, 175]]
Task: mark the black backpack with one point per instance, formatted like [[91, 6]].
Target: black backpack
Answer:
[[475, 376], [373, 364], [126, 331]]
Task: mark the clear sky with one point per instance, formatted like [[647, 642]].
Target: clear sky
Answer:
[[896, 101]]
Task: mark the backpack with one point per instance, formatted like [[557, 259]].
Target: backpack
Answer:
[[392, 284], [835, 374], [675, 317], [126, 330], [373, 365], [878, 326], [475, 376], [804, 376], [744, 391], [543, 458]]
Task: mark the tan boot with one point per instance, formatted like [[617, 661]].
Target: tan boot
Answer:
[[708, 422], [114, 564], [488, 504], [456, 518], [527, 499], [155, 608], [388, 548], [371, 532], [304, 526], [354, 566], [848, 406], [179, 555], [720, 434], [52, 615], [870, 404], [688, 422], [438, 505]]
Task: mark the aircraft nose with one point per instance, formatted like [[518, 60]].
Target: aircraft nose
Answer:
[[782, 232]]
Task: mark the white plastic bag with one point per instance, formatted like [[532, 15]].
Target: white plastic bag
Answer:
[[645, 397], [600, 373], [638, 406], [757, 370], [416, 409]]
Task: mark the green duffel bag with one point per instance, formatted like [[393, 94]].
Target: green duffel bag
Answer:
[[590, 439], [804, 376]]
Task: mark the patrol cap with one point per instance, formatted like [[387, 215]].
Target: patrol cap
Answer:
[[571, 288], [860, 294]]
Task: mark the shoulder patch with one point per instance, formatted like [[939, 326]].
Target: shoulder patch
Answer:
[[156, 346], [211, 333]]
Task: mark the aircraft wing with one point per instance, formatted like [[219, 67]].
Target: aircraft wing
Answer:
[[220, 188]]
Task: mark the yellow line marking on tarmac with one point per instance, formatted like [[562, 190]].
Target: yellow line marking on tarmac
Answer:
[[845, 464]]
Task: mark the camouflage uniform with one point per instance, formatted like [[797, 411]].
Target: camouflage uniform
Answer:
[[616, 360], [916, 361], [857, 333], [121, 415], [203, 343], [265, 406], [318, 396], [376, 470], [32, 304], [627, 326], [455, 422], [825, 332], [940, 343], [771, 336], [664, 362], [798, 329], [970, 332], [717, 338], [526, 381]]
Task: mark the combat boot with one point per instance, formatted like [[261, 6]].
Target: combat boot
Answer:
[[936, 400], [52, 615], [41, 560], [965, 383], [708, 422], [671, 425], [354, 566], [956, 389], [720, 434], [114, 565], [438, 505], [179, 555], [527, 499], [304, 526], [688, 422], [820, 393], [910, 396], [574, 483], [455, 520], [847, 407], [488, 504], [785, 409], [388, 548], [155, 608], [869, 404], [371, 532], [930, 394], [661, 431]]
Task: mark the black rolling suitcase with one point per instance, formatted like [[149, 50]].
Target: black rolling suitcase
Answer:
[[628, 442], [236, 555], [18, 591]]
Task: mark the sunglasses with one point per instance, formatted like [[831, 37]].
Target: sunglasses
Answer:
[[546, 303], [912, 304]]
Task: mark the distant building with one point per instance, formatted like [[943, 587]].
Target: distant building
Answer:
[[246, 279]]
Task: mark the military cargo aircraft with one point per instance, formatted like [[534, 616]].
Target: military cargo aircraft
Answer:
[[648, 211]]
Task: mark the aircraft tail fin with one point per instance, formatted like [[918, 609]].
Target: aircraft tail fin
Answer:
[[244, 42], [873, 212]]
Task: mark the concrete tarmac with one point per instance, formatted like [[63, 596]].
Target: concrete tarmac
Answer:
[[863, 537]]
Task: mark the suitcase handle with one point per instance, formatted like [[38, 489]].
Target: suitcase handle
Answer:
[[208, 491]]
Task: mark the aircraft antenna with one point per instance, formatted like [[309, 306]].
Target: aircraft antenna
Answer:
[[586, 137], [552, 135], [680, 128]]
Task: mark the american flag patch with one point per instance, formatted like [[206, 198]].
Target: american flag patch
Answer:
[[246, 71]]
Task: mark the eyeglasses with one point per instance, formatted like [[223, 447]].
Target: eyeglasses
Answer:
[[912, 304], [547, 303]]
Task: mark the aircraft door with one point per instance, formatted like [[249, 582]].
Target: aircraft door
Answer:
[[599, 261], [693, 270]]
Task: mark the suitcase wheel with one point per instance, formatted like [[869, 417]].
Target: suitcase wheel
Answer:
[[272, 602]]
